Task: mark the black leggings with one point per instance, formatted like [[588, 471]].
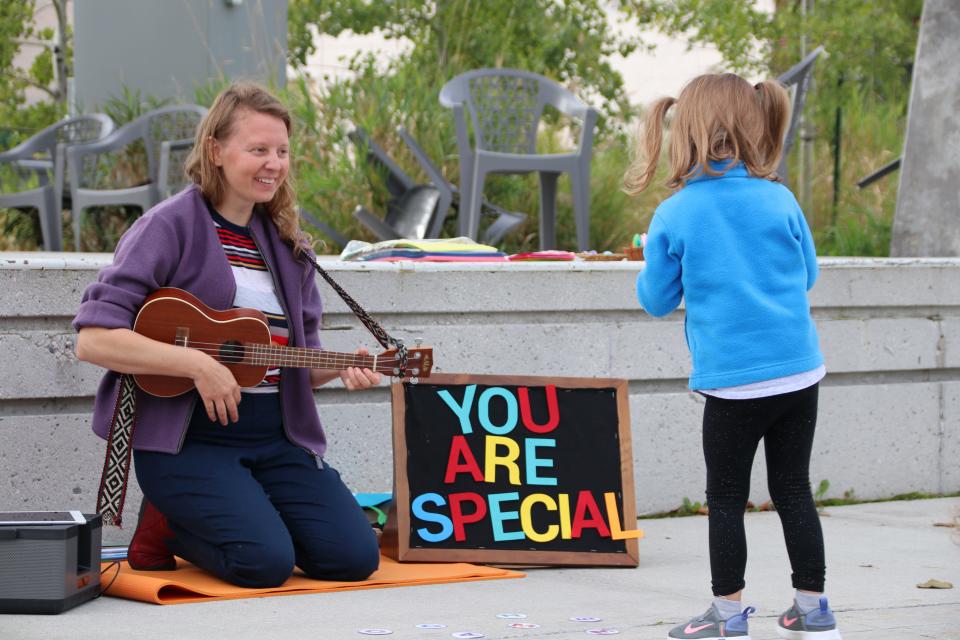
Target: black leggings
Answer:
[[732, 429]]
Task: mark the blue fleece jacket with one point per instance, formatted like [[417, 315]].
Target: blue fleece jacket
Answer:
[[739, 251]]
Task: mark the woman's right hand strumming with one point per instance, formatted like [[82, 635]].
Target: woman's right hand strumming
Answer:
[[218, 389]]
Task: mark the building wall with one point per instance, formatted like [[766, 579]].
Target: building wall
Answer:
[[927, 220], [168, 49], [889, 407]]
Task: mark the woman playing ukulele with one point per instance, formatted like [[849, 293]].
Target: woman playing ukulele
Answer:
[[234, 479]]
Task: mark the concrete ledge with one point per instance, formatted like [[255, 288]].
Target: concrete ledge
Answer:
[[890, 405]]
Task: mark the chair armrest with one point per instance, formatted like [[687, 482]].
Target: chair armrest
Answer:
[[570, 105], [375, 225], [797, 71], [41, 169], [183, 143], [447, 100], [116, 140], [23, 155], [26, 150], [35, 165], [17, 154], [433, 172], [585, 145]]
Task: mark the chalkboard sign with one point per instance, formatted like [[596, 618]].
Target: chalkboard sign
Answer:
[[512, 470]]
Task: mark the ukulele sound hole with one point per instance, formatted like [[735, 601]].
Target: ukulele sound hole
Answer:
[[231, 352]]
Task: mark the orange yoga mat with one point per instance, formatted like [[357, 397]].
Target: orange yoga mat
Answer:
[[190, 584]]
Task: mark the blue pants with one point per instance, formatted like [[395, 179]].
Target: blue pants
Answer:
[[251, 506]]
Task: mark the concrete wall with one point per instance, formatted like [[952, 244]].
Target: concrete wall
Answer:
[[168, 49], [889, 412], [927, 222]]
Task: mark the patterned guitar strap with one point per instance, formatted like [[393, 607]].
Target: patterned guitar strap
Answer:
[[384, 338], [116, 465]]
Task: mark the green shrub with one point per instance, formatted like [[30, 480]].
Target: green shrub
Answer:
[[861, 222]]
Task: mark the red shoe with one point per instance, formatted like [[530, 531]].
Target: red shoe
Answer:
[[148, 549]]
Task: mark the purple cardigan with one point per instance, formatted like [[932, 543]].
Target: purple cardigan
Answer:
[[175, 244]]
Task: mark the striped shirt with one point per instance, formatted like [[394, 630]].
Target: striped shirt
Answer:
[[255, 288]]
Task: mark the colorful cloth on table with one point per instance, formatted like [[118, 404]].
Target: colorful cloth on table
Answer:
[[435, 256], [436, 250], [550, 255]]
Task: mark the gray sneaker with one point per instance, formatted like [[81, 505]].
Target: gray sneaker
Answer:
[[712, 626], [819, 624]]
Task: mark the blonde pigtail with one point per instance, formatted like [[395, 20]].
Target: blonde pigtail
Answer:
[[775, 107], [647, 155]]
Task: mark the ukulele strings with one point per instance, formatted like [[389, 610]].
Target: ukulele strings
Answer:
[[261, 351]]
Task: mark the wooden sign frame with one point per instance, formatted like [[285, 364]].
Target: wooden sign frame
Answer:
[[397, 535]]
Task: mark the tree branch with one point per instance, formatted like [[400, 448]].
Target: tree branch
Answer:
[[21, 77]]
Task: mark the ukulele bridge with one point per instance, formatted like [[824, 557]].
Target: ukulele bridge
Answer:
[[183, 337]]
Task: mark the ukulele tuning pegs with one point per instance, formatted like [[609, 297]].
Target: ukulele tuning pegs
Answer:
[[414, 380], [418, 342]]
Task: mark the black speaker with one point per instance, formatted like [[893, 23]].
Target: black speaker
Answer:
[[49, 568]]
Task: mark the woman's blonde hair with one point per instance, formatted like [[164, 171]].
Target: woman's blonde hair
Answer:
[[218, 125], [719, 117]]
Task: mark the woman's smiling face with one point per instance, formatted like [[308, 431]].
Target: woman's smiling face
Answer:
[[255, 160]]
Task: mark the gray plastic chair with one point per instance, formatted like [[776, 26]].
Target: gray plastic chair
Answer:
[[43, 156], [505, 108], [167, 135], [171, 177], [418, 211], [798, 75], [414, 211]]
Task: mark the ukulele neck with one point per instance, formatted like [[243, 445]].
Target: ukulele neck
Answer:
[[272, 355]]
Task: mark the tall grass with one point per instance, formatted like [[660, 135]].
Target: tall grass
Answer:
[[861, 221]]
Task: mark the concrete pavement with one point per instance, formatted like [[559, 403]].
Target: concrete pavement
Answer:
[[876, 555]]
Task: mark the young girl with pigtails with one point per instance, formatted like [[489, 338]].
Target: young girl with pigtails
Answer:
[[733, 243]]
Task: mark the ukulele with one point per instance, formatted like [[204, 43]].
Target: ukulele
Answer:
[[240, 340]]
